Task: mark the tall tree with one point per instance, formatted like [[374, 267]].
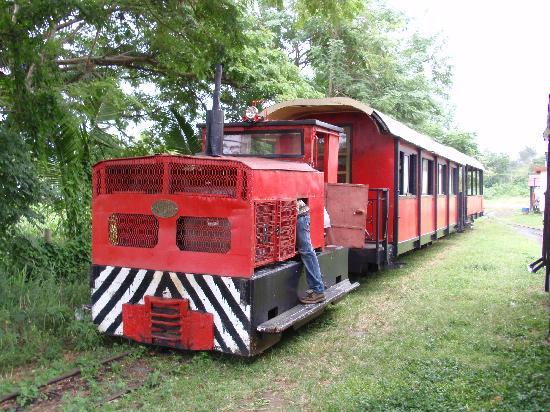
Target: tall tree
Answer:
[[74, 74]]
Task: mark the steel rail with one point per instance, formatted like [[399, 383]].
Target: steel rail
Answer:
[[60, 378]]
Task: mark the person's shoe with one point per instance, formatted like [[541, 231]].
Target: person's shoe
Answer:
[[312, 297]]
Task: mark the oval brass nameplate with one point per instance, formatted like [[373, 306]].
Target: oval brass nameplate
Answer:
[[164, 208]]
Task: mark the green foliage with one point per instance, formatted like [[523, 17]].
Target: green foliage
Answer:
[[506, 177], [20, 187], [366, 51]]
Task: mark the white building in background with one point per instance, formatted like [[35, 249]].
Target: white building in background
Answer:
[[537, 188]]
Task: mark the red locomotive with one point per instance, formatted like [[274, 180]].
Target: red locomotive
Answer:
[[198, 252]]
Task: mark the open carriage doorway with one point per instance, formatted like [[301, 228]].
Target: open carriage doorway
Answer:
[[344, 154]]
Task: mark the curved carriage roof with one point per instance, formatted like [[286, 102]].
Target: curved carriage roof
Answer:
[[299, 107]]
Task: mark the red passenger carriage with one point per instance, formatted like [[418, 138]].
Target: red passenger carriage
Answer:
[[433, 189]]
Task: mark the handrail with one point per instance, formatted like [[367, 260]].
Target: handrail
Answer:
[[378, 203]]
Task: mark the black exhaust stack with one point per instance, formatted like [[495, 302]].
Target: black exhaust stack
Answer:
[[214, 119]]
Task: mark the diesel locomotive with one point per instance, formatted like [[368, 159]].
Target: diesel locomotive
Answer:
[[199, 252]]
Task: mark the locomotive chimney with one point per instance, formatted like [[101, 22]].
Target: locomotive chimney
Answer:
[[214, 119]]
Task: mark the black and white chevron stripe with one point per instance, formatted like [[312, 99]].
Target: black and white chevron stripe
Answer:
[[114, 286]]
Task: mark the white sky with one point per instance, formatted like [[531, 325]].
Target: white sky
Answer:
[[500, 51]]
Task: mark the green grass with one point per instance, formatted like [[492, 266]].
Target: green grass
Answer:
[[461, 326], [534, 220]]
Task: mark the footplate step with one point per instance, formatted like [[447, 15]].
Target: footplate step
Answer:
[[300, 312]]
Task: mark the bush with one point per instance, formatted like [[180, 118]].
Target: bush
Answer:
[[506, 190], [42, 285]]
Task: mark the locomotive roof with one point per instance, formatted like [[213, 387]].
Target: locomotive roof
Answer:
[[306, 122], [299, 107]]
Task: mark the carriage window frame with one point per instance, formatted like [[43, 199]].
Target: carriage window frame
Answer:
[[427, 177], [407, 174], [454, 176], [443, 180]]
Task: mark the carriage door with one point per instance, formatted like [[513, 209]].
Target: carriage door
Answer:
[[347, 207]]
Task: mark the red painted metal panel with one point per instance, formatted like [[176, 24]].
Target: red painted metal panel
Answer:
[[198, 331], [408, 218], [475, 204], [347, 206], [169, 322], [199, 217], [453, 210], [442, 212], [428, 219], [331, 158], [135, 321]]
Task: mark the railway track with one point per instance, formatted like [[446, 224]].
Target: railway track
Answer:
[[50, 394]]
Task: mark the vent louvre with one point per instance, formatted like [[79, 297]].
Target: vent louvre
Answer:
[[287, 222], [166, 323]]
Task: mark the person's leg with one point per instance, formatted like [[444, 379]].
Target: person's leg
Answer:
[[309, 257]]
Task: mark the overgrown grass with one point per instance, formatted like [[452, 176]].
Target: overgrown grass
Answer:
[[41, 285], [37, 317], [461, 326]]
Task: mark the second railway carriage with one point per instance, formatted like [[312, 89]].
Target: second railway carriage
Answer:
[[419, 189]]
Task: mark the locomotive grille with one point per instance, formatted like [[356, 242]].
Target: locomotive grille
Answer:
[[134, 178], [172, 175], [287, 221], [204, 179], [275, 231], [203, 234], [134, 230], [266, 225]]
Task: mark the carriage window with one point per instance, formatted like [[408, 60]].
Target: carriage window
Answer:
[[454, 181], [427, 177], [473, 182], [407, 174], [344, 155], [268, 144], [442, 181]]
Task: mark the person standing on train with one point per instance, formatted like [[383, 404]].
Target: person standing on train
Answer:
[[316, 291]]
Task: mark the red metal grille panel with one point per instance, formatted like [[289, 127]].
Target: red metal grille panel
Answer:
[[134, 178], [266, 227], [212, 179], [203, 234], [244, 185], [133, 230], [287, 236], [172, 174]]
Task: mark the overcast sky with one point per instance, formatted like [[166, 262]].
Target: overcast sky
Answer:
[[500, 51]]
